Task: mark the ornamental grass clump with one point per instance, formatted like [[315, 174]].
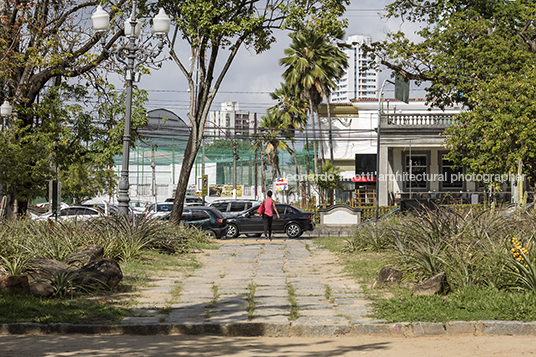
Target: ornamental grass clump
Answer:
[[466, 244]]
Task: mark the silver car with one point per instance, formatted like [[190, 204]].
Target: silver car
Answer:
[[71, 213]]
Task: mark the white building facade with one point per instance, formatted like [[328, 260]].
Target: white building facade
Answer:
[[412, 154], [362, 76], [230, 120]]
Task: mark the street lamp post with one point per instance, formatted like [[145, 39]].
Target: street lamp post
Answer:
[[5, 111], [131, 56]]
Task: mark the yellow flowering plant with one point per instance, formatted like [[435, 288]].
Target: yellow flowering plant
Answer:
[[524, 270]]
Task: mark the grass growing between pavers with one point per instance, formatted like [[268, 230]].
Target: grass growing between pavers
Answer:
[[250, 297], [294, 310], [397, 304]]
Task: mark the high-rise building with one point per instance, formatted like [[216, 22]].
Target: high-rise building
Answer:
[[362, 76], [231, 121]]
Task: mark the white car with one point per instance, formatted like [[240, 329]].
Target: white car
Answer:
[[70, 213], [158, 210]]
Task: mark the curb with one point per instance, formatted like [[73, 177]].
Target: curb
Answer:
[[402, 329]]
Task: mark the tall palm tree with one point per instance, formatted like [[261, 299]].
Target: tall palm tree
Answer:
[[337, 68], [312, 67], [292, 110], [272, 126]]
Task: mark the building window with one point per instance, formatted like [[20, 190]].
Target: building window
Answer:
[[451, 177], [416, 171]]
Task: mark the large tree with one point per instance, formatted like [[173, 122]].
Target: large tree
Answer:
[[312, 65], [47, 46], [480, 54], [293, 111], [215, 32]]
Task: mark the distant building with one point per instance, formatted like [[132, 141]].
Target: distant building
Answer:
[[362, 76], [231, 121]]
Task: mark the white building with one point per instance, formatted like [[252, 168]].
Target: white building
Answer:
[[359, 81], [232, 121], [412, 155]]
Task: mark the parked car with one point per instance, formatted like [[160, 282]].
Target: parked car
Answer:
[[189, 201], [293, 221], [207, 218], [70, 213], [231, 207], [158, 210], [137, 207]]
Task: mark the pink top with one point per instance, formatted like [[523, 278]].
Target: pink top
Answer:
[[268, 207]]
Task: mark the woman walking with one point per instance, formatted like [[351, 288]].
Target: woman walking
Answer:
[[267, 210]]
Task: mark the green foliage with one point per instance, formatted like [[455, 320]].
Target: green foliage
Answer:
[[14, 266], [469, 246], [523, 268], [396, 304], [479, 54], [468, 304], [122, 239], [215, 32], [28, 308], [462, 46], [499, 131]]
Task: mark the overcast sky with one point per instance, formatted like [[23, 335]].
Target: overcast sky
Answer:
[[252, 77]]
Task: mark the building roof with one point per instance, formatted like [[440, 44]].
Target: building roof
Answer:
[[164, 123]]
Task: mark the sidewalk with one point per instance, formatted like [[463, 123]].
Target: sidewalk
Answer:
[[256, 287], [282, 277]]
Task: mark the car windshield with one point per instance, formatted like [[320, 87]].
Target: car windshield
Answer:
[[164, 208]]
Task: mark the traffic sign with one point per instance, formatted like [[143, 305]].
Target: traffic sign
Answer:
[[281, 184]]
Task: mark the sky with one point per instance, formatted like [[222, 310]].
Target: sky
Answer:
[[252, 77]]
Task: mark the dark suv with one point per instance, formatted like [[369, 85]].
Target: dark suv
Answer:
[[209, 219], [231, 208]]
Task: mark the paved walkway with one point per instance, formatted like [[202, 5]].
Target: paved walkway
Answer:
[[282, 281]]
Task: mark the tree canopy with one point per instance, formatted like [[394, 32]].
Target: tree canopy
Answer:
[[480, 54], [67, 120], [215, 31]]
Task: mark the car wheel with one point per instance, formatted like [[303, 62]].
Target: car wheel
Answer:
[[253, 235], [211, 234], [232, 231], [293, 230]]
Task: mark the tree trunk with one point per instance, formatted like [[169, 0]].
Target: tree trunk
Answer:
[[330, 134], [320, 139], [190, 153], [315, 155], [263, 171]]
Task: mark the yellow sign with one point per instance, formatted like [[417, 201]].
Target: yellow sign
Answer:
[[225, 191]]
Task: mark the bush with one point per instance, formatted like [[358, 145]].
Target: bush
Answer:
[[123, 239], [472, 246]]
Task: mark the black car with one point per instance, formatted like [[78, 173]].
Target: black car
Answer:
[[293, 221], [209, 219]]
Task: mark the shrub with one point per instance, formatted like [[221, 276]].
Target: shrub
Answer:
[[470, 245]]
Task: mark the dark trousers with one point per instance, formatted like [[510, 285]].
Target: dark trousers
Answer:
[[267, 225]]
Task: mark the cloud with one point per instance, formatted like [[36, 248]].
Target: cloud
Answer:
[[251, 76]]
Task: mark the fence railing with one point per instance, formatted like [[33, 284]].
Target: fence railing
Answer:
[[417, 120]]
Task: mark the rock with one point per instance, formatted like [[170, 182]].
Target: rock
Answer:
[[388, 277], [104, 271], [11, 283], [432, 286], [45, 269], [85, 255], [41, 289]]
